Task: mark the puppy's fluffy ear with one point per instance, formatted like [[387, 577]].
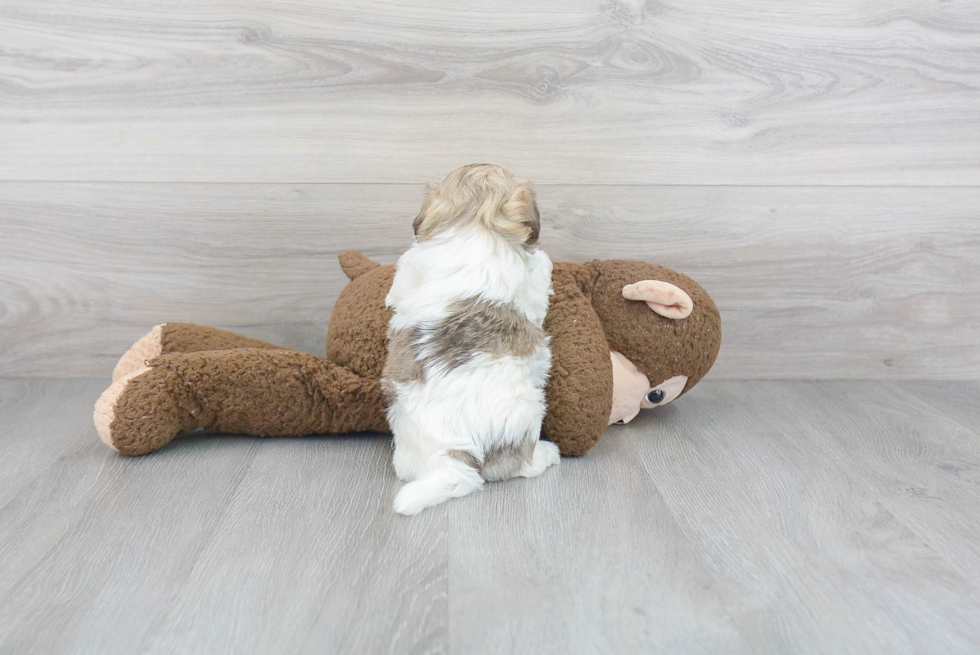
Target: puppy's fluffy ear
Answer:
[[521, 220], [435, 210]]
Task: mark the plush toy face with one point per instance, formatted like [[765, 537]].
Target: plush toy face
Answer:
[[662, 327]]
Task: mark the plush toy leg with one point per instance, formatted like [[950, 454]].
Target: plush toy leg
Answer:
[[254, 391], [170, 338]]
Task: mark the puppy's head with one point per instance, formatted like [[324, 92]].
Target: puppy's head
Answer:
[[481, 197]]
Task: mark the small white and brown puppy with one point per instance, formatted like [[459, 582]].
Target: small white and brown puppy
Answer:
[[467, 356]]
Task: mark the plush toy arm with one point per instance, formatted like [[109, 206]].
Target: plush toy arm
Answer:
[[254, 391], [170, 338], [580, 389]]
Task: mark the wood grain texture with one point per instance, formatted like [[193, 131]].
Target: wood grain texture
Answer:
[[923, 463], [325, 566], [34, 435], [956, 400], [582, 560], [757, 517], [823, 92], [112, 539], [198, 547], [797, 504], [857, 283]]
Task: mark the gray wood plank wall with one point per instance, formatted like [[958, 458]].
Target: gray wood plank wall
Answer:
[[815, 165]]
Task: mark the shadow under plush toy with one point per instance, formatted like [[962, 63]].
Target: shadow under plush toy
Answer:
[[625, 335]]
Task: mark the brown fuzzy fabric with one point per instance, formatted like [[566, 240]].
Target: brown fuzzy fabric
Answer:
[[580, 388], [218, 380], [255, 391], [191, 338], [354, 264], [357, 335], [155, 407], [659, 347]]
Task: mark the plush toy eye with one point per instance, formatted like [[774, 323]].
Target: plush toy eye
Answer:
[[656, 397]]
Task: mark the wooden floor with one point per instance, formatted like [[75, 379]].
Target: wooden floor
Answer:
[[755, 517]]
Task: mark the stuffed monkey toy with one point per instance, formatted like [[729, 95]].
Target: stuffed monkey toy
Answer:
[[625, 336]]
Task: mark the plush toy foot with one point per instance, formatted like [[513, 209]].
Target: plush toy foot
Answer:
[[169, 338], [144, 410], [145, 349], [263, 392]]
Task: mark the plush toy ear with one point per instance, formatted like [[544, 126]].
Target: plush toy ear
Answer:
[[663, 297], [354, 264]]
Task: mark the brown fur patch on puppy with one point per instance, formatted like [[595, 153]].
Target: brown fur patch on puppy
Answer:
[[402, 364], [465, 457], [506, 461], [473, 327], [476, 326], [501, 462]]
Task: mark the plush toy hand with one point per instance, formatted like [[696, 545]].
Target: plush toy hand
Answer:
[[580, 387]]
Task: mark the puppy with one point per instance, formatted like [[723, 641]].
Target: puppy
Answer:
[[467, 357]]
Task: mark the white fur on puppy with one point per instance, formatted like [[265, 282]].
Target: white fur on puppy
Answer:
[[467, 357]]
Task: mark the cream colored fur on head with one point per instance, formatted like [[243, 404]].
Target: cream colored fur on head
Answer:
[[481, 196]]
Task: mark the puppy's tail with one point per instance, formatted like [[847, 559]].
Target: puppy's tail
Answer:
[[444, 477]]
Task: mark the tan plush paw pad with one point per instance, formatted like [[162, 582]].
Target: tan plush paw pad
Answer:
[[145, 410], [148, 347], [105, 407]]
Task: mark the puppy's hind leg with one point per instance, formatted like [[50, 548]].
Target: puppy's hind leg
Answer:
[[444, 477], [545, 455]]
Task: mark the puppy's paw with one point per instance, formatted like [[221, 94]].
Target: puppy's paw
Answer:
[[548, 451], [411, 499], [545, 454]]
